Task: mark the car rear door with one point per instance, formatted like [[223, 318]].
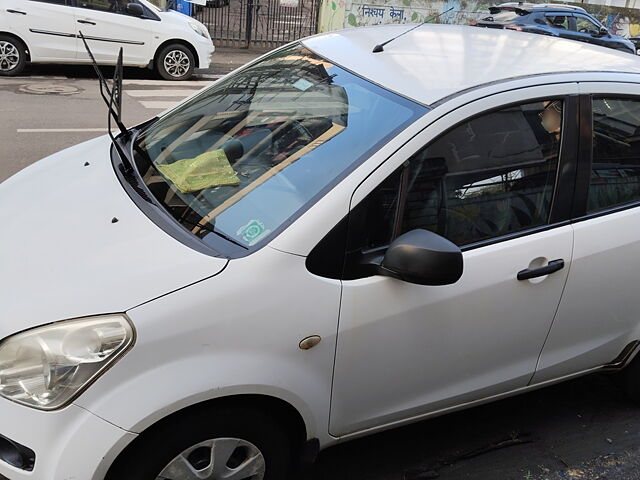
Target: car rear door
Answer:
[[47, 27], [107, 27], [598, 320], [490, 180]]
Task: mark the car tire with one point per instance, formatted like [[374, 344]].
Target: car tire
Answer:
[[175, 62], [237, 436], [13, 56]]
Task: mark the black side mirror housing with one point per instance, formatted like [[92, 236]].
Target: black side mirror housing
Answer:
[[424, 258], [135, 9], [603, 32]]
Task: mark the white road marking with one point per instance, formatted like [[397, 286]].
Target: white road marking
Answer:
[[62, 130], [160, 83], [41, 77], [159, 105], [161, 93]]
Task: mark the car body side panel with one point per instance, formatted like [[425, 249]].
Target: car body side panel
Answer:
[[238, 333], [47, 29], [599, 314], [107, 32]]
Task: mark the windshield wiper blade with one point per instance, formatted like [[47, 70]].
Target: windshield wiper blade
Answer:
[[113, 98], [212, 229]]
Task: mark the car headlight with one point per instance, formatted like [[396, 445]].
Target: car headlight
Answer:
[[47, 367], [200, 29]]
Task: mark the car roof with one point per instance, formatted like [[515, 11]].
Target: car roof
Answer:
[[434, 61], [533, 7]]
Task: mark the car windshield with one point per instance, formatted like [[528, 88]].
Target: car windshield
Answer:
[[246, 156]]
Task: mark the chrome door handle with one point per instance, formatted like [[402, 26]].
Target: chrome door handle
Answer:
[[16, 11], [87, 22], [552, 266]]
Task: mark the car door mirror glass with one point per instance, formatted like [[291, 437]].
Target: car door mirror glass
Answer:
[[135, 10], [424, 258]]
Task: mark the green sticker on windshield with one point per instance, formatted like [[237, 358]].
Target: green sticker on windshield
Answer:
[[252, 232]]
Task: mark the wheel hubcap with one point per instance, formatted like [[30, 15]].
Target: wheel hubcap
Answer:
[[9, 56], [177, 63], [217, 459]]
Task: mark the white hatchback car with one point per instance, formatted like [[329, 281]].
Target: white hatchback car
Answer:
[[48, 31], [325, 243]]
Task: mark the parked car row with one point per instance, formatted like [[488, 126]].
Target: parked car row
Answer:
[[564, 21], [48, 31]]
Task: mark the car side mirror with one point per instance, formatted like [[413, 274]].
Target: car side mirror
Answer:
[[424, 258], [603, 32], [135, 9]]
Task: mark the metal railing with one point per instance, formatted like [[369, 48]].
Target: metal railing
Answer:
[[258, 23]]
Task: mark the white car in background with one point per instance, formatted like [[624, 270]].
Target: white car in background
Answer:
[[48, 31], [324, 244]]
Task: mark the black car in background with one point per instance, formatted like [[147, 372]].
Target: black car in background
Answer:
[[636, 42], [564, 21]]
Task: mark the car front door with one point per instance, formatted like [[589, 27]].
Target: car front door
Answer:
[[486, 180], [47, 27], [598, 320], [107, 27]]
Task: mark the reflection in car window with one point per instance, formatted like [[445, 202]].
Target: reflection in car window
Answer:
[[490, 176], [615, 177], [247, 155], [116, 6]]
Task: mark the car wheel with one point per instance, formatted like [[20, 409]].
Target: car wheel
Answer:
[[13, 56], [175, 62], [232, 444]]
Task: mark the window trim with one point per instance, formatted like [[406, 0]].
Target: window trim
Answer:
[[560, 211], [148, 14], [580, 15], [65, 3], [559, 214]]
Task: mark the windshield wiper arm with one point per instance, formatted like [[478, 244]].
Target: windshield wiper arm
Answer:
[[113, 98], [212, 229]]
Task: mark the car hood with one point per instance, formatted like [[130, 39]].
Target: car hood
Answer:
[[72, 244]]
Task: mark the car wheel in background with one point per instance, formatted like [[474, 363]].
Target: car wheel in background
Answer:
[[175, 62], [13, 56]]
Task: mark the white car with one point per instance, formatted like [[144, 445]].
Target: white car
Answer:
[[49, 31], [324, 244]]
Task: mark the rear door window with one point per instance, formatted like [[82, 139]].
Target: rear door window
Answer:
[[615, 175]]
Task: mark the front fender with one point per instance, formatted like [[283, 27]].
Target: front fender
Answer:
[[236, 334]]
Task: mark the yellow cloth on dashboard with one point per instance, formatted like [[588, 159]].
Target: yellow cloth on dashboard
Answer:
[[211, 169]]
